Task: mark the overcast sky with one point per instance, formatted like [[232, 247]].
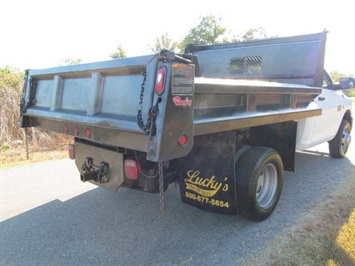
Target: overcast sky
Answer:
[[39, 34]]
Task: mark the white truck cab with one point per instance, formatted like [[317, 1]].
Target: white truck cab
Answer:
[[335, 122]]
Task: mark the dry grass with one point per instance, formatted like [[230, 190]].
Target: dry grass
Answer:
[[324, 237], [10, 95], [346, 236], [9, 114], [48, 148], [12, 138], [10, 133], [18, 157]]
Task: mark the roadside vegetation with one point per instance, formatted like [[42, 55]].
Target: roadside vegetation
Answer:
[[335, 75]]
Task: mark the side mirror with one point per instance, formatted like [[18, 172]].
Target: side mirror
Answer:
[[347, 83]]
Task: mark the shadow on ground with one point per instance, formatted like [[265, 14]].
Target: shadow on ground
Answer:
[[101, 228]]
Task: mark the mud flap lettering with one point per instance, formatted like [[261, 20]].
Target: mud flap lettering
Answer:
[[204, 190], [206, 175]]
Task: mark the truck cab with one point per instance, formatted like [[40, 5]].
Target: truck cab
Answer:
[[336, 107]]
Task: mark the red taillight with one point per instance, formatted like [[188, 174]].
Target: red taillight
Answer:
[[182, 140], [131, 169], [66, 129], [71, 151], [159, 84]]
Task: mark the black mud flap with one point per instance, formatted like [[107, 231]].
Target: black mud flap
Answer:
[[207, 174]]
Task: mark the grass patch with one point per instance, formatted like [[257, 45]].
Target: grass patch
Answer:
[[16, 156], [324, 237], [346, 236], [13, 160]]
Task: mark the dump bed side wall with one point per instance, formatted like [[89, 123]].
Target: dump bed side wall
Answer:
[[297, 60]]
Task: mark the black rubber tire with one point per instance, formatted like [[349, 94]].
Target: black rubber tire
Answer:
[[254, 199], [338, 146], [240, 151]]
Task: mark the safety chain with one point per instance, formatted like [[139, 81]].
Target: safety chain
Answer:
[[152, 112], [31, 99], [161, 188], [22, 106], [26, 143], [139, 116], [22, 102]]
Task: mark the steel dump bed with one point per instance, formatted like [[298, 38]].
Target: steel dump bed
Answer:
[[222, 105], [212, 89]]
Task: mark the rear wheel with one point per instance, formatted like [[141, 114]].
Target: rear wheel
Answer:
[[259, 174], [341, 142]]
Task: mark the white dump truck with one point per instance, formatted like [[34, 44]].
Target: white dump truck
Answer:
[[224, 121]]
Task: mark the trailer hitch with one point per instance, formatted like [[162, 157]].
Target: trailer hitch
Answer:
[[95, 173]]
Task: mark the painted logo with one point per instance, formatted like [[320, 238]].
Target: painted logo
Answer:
[[207, 187], [180, 102]]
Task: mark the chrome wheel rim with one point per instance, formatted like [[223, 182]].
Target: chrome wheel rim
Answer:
[[267, 186], [346, 140]]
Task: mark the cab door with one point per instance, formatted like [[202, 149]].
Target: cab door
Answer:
[[332, 103]]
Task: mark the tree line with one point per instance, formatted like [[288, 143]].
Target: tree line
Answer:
[[210, 30]]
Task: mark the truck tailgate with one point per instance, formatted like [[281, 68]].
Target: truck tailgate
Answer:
[[102, 95]]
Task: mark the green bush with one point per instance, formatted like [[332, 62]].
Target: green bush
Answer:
[[5, 147], [350, 92]]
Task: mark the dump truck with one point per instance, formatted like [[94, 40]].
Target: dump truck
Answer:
[[223, 121]]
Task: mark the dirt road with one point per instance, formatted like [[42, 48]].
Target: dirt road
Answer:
[[48, 217]]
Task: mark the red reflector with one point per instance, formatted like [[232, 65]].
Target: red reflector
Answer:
[[182, 140], [159, 84], [71, 151], [131, 169], [66, 129], [87, 133]]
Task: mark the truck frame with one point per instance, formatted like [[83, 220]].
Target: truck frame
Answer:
[[224, 121]]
